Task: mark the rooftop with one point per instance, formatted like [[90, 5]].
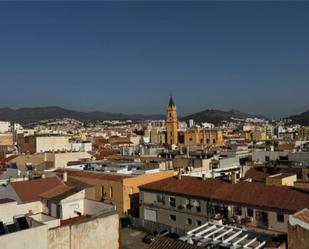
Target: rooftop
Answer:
[[280, 176], [167, 243], [96, 175], [303, 215], [246, 193], [31, 190]]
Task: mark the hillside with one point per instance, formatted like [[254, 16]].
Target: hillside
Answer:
[[31, 115], [217, 116], [302, 119]]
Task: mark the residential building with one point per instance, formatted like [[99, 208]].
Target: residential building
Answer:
[[50, 213], [22, 165], [24, 226], [298, 232], [185, 202], [5, 126], [303, 133], [42, 143], [6, 139], [118, 189], [281, 179]]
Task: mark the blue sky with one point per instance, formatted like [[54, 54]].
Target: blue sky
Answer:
[[130, 56]]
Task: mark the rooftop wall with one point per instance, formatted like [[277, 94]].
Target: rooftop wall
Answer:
[[99, 232]]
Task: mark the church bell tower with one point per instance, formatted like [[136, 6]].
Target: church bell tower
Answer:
[[171, 123]]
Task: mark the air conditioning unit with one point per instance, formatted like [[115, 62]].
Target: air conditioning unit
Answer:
[[181, 206], [238, 218]]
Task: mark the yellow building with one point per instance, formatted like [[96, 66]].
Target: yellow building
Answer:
[[119, 190], [303, 133], [257, 134], [281, 179], [171, 123]]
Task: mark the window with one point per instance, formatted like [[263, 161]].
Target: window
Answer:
[[207, 140], [214, 141], [173, 217], [189, 221], [102, 192], [111, 192], [249, 212], [280, 217], [197, 205], [190, 139], [237, 211], [172, 201], [58, 211], [198, 223], [160, 198]]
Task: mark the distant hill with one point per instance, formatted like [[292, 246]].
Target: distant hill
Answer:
[[216, 116], [302, 119], [31, 115], [26, 116]]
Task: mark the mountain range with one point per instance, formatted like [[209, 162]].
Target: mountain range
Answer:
[[217, 116], [302, 118], [26, 116]]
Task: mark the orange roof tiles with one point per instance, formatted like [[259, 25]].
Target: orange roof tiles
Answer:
[[246, 193], [97, 175], [31, 190], [303, 215]]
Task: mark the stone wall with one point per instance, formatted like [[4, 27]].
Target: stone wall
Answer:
[[100, 232], [298, 237]]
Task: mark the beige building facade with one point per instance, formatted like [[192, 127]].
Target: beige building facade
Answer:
[[197, 136]]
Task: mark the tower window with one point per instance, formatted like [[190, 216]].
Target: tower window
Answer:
[[170, 115]]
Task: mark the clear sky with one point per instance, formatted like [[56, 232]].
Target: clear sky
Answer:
[[130, 56]]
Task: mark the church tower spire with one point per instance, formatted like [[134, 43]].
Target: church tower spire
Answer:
[[171, 123]]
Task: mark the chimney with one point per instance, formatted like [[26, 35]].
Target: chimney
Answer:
[[65, 176], [212, 174], [204, 177], [234, 178], [179, 174]]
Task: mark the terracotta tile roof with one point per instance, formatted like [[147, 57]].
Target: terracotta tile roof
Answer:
[[96, 175], [7, 159], [246, 193], [303, 215], [2, 171], [167, 243], [73, 220], [59, 192], [31, 190], [256, 174]]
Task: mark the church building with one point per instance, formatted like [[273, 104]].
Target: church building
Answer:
[[194, 136]]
